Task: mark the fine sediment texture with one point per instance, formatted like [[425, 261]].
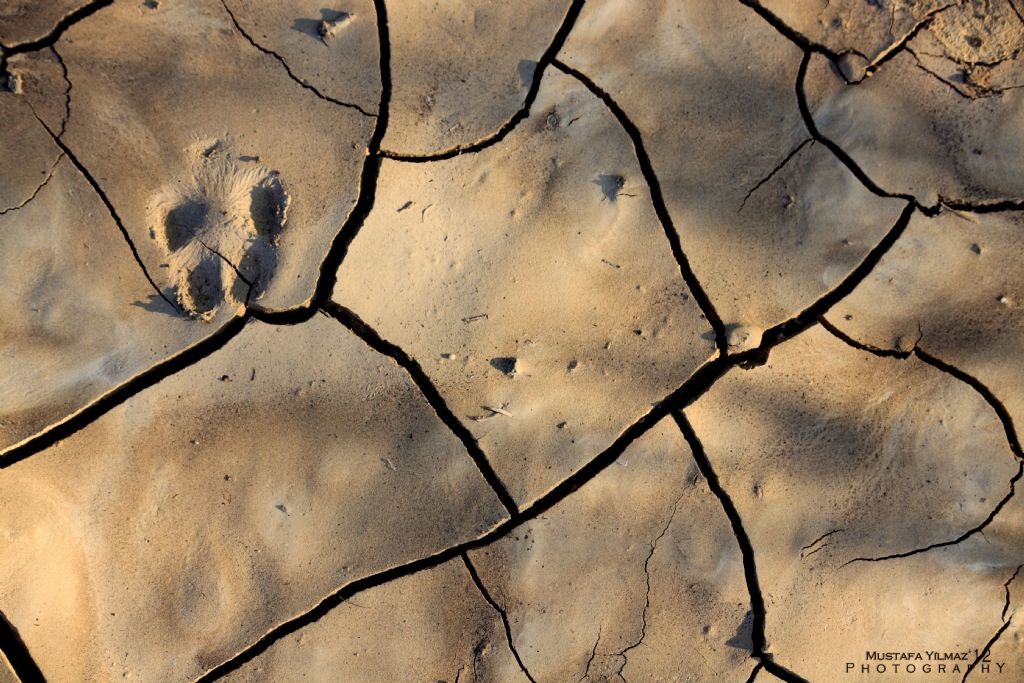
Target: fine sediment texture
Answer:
[[536, 342]]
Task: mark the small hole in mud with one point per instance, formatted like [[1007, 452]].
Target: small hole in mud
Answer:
[[506, 365]]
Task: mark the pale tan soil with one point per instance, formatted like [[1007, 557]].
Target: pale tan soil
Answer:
[[599, 586], [763, 248], [23, 21], [433, 625], [187, 522], [821, 485], [539, 342], [461, 69], [82, 319], [485, 289]]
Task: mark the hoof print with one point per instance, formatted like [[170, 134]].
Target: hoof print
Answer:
[[220, 230]]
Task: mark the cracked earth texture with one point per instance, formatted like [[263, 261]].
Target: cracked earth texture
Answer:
[[396, 340]]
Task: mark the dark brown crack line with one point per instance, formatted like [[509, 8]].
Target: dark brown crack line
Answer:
[[754, 672], [288, 69], [794, 36], [839, 152], [848, 161], [816, 542], [688, 392], [780, 672], [1006, 587], [1001, 412], [742, 539], [647, 597], [49, 174], [17, 653], [504, 617], [118, 395], [902, 43], [660, 208], [809, 316], [354, 323], [524, 110], [1006, 624], [222, 257], [757, 605], [995, 206], [946, 83], [593, 654], [328, 275], [774, 171], [697, 383], [807, 45], [1013, 6], [110, 208], [884, 353], [67, 92], [66, 22], [985, 653]]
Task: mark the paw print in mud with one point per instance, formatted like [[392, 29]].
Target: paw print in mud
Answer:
[[220, 230]]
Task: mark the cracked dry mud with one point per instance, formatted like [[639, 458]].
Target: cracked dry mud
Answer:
[[543, 341]]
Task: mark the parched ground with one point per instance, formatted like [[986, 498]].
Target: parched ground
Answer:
[[548, 341]]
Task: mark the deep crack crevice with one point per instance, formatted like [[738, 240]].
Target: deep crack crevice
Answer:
[[810, 315], [660, 208], [121, 393], [17, 653], [39, 187], [794, 36], [754, 673], [110, 208], [698, 383], [901, 44], [303, 83], [956, 205], [883, 353], [757, 605], [997, 406], [504, 617], [839, 152], [328, 274], [774, 171], [67, 91], [66, 22], [1006, 587], [987, 650], [593, 654], [370, 336], [810, 46], [524, 110]]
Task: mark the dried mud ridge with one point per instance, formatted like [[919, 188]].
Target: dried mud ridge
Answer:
[[672, 405]]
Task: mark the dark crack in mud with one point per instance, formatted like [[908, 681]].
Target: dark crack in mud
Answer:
[[301, 82], [501, 612], [521, 114], [673, 404]]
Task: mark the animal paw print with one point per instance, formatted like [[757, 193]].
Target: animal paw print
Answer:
[[220, 230]]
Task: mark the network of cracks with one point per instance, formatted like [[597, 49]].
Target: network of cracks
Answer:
[[673, 342]]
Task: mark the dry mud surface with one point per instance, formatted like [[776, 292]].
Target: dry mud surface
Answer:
[[549, 341]]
